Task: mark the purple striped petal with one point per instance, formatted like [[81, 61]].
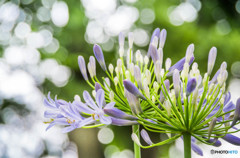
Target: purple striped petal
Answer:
[[99, 56], [100, 98], [83, 107], [232, 139], [115, 112], [88, 99], [86, 121], [105, 119], [123, 122]]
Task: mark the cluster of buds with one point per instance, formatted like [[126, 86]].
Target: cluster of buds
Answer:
[[139, 91]]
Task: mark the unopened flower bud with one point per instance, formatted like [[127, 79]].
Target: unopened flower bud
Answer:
[[99, 56], [163, 36], [146, 60], [111, 96], [211, 126], [191, 85], [111, 68], [154, 53], [148, 76], [92, 66], [77, 98], [189, 53], [121, 39], [176, 82], [94, 93], [155, 41], [133, 89], [107, 83], [157, 70], [137, 76], [115, 80], [82, 67], [168, 63], [156, 86], [135, 139], [146, 137], [211, 59], [97, 86], [130, 39]]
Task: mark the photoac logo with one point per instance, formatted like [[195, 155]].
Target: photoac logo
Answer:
[[224, 151]]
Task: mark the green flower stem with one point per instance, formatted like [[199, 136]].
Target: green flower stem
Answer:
[[187, 144], [137, 150]]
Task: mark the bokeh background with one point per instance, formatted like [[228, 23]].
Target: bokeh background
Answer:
[[39, 44]]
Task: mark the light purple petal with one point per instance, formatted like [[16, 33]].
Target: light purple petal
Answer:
[[105, 119], [110, 105], [88, 99], [68, 129], [83, 107], [86, 121], [100, 98]]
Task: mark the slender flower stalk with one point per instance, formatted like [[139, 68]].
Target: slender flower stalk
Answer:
[[141, 91]]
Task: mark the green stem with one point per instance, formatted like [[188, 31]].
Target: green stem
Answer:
[[137, 150], [187, 145]]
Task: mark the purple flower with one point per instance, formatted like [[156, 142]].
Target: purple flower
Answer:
[[99, 56], [64, 113], [95, 109]]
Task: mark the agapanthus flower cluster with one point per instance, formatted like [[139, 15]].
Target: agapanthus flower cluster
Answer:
[[146, 90]]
